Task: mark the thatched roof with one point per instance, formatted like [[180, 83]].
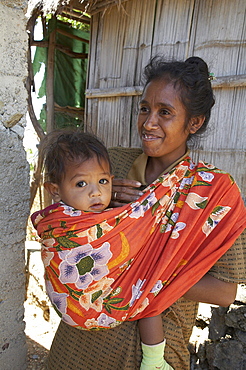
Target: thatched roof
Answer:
[[90, 6]]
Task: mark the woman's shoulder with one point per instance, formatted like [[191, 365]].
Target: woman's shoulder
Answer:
[[122, 159], [210, 170]]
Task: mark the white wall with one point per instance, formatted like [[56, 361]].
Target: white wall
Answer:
[[14, 182]]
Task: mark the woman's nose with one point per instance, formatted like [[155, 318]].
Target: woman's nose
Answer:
[[151, 122]]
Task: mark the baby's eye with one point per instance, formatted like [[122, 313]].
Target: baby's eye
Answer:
[[81, 184], [103, 181]]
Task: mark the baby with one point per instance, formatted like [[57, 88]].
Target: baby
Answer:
[[78, 173]]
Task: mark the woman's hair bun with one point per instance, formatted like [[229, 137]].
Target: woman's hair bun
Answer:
[[201, 65]]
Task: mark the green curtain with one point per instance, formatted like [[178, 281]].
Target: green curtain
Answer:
[[69, 75]]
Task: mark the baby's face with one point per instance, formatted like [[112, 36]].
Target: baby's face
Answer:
[[87, 186]]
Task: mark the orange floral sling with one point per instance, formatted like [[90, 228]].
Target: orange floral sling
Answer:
[[134, 261]]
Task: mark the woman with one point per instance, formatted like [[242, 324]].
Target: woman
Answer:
[[175, 106]]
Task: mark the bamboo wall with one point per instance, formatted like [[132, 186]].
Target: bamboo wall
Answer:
[[123, 42]]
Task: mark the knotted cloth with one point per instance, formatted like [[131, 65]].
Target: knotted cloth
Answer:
[[134, 261]]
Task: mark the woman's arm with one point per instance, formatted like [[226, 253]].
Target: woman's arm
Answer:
[[213, 291]]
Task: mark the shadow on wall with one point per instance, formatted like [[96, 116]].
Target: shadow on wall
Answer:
[[40, 317], [36, 355]]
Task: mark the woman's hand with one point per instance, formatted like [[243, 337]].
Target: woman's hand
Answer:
[[213, 291], [124, 191]]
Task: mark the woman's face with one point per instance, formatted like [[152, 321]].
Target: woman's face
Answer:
[[162, 122]]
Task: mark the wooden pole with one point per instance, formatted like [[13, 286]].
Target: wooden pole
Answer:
[[218, 82], [70, 35], [113, 92], [229, 81], [50, 83]]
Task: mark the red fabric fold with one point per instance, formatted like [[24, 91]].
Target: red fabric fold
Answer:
[[135, 261]]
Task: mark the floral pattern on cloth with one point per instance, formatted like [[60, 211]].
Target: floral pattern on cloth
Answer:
[[134, 261]]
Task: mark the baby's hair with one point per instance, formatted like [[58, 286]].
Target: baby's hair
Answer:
[[62, 147], [192, 78]]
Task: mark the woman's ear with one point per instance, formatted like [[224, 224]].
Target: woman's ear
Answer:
[[53, 189], [196, 123]]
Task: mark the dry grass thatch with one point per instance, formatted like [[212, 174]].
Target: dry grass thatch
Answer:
[[47, 6], [90, 6]]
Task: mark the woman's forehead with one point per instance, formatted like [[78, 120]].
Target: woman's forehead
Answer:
[[161, 91]]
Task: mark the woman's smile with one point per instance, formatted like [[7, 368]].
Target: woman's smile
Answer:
[[149, 136]]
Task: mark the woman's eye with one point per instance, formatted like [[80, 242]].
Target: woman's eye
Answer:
[[164, 112], [143, 109], [103, 181], [81, 184]]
